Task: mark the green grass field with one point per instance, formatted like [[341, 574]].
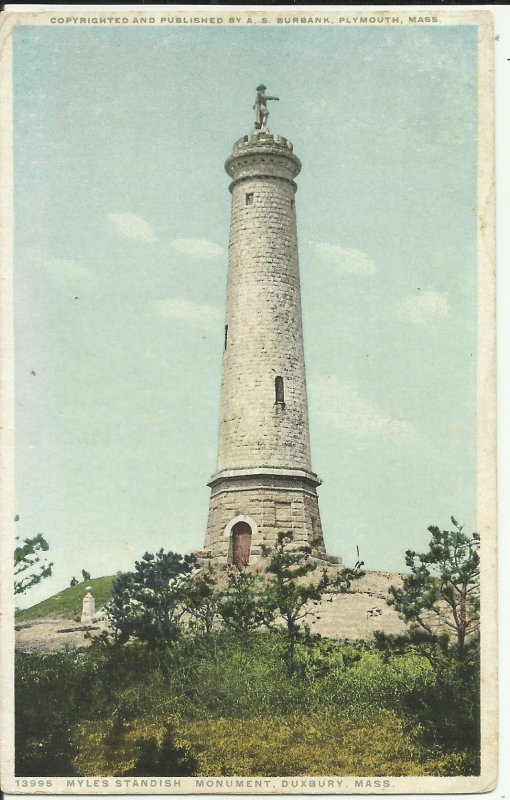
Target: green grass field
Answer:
[[68, 603]]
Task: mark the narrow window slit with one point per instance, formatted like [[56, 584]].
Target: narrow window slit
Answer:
[[279, 391], [226, 338]]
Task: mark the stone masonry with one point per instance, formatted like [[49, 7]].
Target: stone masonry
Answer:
[[264, 482]]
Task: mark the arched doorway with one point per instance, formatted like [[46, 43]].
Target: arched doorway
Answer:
[[241, 543]]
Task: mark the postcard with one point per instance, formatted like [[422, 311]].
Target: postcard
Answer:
[[248, 401]]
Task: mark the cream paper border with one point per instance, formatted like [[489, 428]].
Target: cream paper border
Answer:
[[342, 15]]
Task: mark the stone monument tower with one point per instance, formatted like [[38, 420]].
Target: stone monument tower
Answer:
[[264, 482]]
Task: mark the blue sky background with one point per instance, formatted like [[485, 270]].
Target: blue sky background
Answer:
[[121, 200]]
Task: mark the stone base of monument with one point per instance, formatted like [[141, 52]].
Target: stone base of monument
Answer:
[[258, 561]]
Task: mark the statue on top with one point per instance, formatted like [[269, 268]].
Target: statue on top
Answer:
[[260, 107]]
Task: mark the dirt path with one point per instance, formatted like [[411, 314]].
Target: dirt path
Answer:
[[54, 634]]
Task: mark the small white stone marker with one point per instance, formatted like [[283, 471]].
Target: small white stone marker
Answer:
[[88, 608]]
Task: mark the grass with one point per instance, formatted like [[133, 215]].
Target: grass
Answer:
[[68, 603], [271, 744], [222, 705]]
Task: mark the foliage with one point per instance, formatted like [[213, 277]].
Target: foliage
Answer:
[[29, 568], [86, 575], [149, 602], [50, 696], [416, 640], [200, 599], [155, 758], [288, 597], [232, 708], [224, 692], [444, 584], [241, 603], [447, 707], [73, 582], [449, 711], [234, 673]]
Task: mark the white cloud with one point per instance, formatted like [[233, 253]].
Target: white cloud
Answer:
[[425, 307], [133, 226], [67, 270], [346, 259], [197, 315], [198, 248], [342, 405]]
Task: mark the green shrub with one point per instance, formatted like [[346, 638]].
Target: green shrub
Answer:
[[447, 706], [162, 758], [448, 709], [50, 695], [214, 703]]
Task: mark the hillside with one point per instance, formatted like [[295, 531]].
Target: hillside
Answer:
[[68, 603], [50, 625]]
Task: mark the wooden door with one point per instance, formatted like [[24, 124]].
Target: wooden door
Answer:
[[241, 543]]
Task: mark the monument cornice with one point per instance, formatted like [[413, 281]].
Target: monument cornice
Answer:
[[262, 176], [265, 472]]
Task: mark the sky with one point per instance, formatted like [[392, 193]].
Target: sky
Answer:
[[122, 214]]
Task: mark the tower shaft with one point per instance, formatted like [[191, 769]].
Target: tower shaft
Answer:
[[264, 338], [264, 483]]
